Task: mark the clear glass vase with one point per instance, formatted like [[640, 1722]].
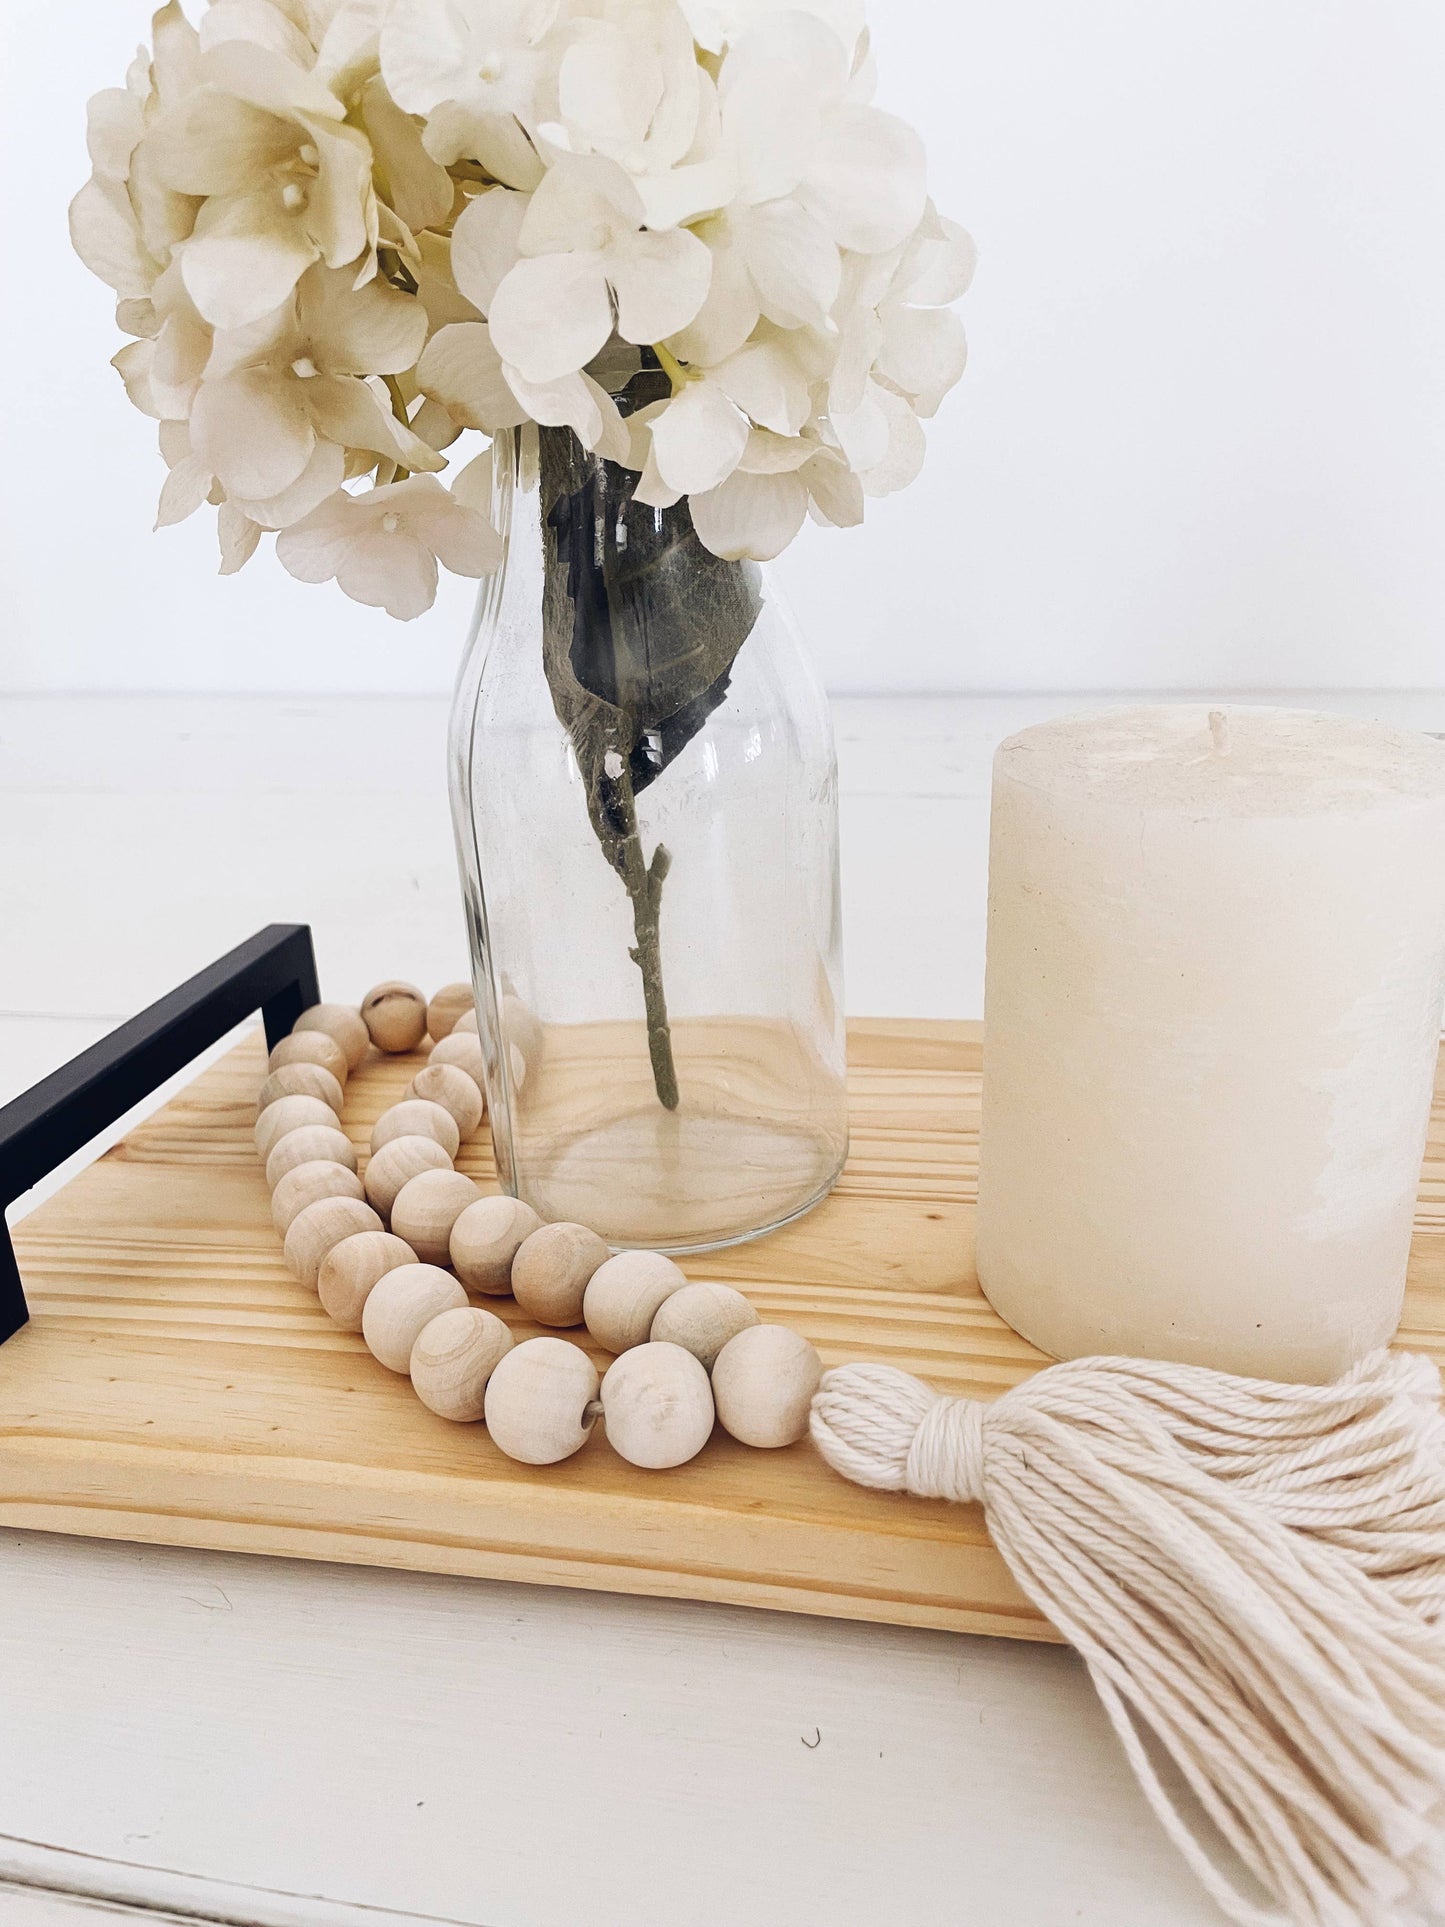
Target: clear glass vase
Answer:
[[644, 789]]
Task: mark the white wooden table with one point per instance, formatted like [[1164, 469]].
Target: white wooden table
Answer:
[[292, 1745]]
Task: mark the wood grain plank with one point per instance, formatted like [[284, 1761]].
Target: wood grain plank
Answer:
[[177, 1387]]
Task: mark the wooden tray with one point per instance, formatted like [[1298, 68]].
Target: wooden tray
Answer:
[[177, 1387]]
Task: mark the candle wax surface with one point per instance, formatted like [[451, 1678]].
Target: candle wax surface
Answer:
[[1216, 962]]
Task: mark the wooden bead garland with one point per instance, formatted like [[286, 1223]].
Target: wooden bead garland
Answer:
[[624, 1295], [289, 1114], [417, 1117], [764, 1381], [541, 1401], [521, 1023], [398, 1161], [454, 1090], [302, 1080], [311, 1047], [400, 1305], [451, 1002], [321, 1226], [342, 1024], [351, 1268], [464, 1049], [657, 1405], [426, 1208], [485, 1239], [454, 1357], [702, 1318], [540, 1398], [307, 1184], [551, 1269], [395, 1016], [301, 1147]]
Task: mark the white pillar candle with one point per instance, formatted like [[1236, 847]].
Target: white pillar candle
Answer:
[[1216, 953]]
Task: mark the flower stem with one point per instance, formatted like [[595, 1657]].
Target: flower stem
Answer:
[[671, 366], [643, 882], [398, 399], [398, 408], [646, 894]]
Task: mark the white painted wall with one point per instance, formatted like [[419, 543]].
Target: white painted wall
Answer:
[[1202, 440]]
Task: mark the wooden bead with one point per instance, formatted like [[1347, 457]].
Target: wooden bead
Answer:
[[763, 1383], [399, 1304], [657, 1405], [444, 1084], [289, 1114], [454, 1357], [467, 1027], [417, 1117], [426, 1208], [308, 1184], [464, 1049], [625, 1295], [351, 1268], [310, 1143], [310, 1047], [451, 1001], [319, 1227], [541, 1401], [398, 1161], [485, 1239], [521, 1026], [702, 1318], [340, 1022], [551, 1270], [302, 1080], [395, 1016]]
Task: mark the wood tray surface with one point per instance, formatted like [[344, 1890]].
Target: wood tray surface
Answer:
[[176, 1386]]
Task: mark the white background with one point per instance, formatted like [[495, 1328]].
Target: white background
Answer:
[[1202, 441]]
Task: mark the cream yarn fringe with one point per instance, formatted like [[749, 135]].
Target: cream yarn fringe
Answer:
[[1254, 1575]]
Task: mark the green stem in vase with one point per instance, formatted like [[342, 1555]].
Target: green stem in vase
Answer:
[[641, 626], [644, 885]]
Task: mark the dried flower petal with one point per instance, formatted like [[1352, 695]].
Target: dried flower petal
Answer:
[[699, 439], [238, 538], [486, 243], [462, 370], [382, 546], [750, 516]]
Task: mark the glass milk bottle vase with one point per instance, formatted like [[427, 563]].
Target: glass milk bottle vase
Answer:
[[644, 789]]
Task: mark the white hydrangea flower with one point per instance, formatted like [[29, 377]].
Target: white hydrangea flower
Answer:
[[238, 536], [345, 234], [921, 349], [629, 88], [462, 373], [715, 23], [486, 244], [383, 547], [272, 392], [478, 71], [285, 182], [816, 173], [587, 264], [163, 368], [124, 222]]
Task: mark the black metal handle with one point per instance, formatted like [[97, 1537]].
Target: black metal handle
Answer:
[[273, 972]]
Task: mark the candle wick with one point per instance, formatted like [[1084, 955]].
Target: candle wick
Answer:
[[1219, 731]]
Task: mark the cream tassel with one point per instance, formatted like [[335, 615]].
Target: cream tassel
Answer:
[[1252, 1574]]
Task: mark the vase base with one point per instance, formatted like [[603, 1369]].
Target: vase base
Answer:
[[759, 1136], [742, 1180]]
